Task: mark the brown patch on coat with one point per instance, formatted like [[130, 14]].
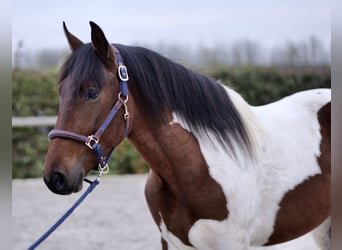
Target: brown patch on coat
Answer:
[[179, 189], [308, 204]]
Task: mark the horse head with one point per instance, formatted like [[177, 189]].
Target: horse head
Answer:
[[89, 89]]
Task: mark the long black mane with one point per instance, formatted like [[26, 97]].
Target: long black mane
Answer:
[[203, 103]]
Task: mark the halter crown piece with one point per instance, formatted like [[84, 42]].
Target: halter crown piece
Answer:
[[93, 141]]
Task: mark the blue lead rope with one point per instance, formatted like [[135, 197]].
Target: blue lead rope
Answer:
[[67, 213]]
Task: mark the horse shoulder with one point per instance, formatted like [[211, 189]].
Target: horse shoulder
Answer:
[[172, 217]]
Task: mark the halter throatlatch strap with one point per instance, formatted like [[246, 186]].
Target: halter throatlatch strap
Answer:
[[93, 141]]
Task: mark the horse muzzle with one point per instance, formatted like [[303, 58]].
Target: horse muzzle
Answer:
[[59, 183]]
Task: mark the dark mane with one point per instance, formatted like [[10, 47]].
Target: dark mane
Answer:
[[84, 67], [204, 104]]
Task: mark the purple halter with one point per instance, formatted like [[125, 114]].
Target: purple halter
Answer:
[[93, 141]]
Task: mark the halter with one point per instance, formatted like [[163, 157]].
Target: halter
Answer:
[[93, 141]]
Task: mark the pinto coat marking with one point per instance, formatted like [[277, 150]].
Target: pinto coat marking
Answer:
[[286, 160]]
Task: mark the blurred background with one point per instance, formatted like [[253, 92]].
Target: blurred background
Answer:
[[264, 49]]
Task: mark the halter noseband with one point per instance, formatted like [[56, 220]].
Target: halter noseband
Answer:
[[93, 141]]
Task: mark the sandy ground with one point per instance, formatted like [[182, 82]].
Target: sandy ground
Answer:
[[114, 216]]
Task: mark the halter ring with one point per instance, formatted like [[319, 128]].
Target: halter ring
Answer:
[[104, 169], [122, 99]]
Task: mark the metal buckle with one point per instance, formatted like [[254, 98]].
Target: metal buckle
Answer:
[[91, 141], [104, 169], [123, 74]]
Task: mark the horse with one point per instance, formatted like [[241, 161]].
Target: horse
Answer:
[[223, 174]]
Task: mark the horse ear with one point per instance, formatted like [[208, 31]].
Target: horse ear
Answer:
[[103, 48], [73, 41]]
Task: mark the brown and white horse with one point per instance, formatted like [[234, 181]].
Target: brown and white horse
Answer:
[[223, 174]]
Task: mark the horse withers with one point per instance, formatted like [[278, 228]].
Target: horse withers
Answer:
[[223, 174]]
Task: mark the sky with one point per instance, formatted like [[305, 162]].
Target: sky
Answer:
[[38, 23]]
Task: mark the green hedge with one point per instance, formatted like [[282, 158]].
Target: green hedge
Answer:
[[263, 85], [34, 93]]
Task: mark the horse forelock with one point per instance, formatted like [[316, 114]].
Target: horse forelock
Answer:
[[84, 68]]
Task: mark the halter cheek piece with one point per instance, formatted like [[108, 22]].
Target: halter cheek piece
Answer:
[[93, 141]]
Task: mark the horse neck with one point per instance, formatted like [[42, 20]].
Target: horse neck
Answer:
[[169, 150], [172, 151]]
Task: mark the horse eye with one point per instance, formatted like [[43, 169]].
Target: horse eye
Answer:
[[92, 94]]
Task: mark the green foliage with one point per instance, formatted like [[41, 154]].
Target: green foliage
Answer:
[[35, 93], [259, 85], [29, 147]]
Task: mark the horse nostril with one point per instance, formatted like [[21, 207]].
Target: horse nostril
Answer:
[[59, 181]]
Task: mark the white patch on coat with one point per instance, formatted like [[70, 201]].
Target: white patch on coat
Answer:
[[322, 235], [173, 243], [287, 144]]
